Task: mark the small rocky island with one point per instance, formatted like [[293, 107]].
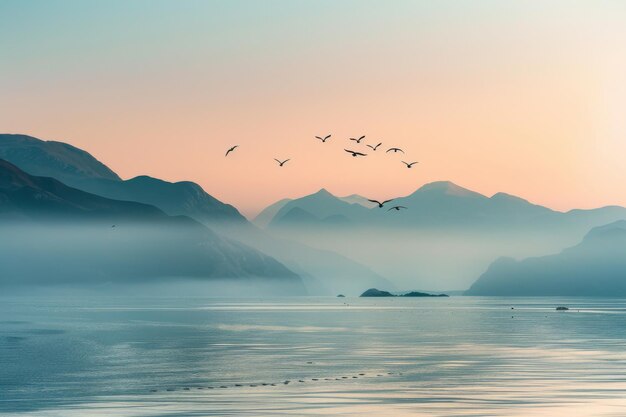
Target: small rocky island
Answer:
[[374, 292]]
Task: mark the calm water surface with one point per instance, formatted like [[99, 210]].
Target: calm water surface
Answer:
[[462, 356]]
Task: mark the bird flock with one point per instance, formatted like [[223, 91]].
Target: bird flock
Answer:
[[355, 154]]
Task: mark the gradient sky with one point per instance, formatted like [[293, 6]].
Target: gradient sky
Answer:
[[526, 97]]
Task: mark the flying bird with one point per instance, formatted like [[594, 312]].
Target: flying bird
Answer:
[[394, 150], [323, 139], [380, 204], [231, 149], [409, 164], [355, 153], [281, 163], [397, 208], [359, 139], [374, 147]]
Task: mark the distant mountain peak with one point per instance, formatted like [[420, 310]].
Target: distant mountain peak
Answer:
[[506, 196], [323, 192], [448, 188]]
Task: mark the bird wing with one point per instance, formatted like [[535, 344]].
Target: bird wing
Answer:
[[386, 201], [374, 201], [406, 163], [391, 208], [286, 160], [413, 163], [389, 150], [401, 207], [319, 138], [349, 151], [277, 160], [362, 137], [328, 136], [370, 146], [362, 154]]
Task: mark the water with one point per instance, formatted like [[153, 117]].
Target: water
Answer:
[[462, 356]]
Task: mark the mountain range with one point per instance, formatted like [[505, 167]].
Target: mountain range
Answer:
[[323, 271], [439, 205], [447, 236]]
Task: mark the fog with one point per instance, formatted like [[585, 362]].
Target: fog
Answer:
[[432, 259], [103, 256]]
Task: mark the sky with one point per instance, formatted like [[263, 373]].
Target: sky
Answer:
[[525, 97]]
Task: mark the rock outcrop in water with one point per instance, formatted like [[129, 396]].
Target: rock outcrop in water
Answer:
[[374, 292]]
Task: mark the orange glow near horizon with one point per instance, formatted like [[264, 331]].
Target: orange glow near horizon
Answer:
[[526, 98]]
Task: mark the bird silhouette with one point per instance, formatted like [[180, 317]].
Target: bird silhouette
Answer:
[[374, 147], [409, 164], [397, 208], [231, 149], [112, 226], [394, 150], [359, 139], [381, 204], [323, 139], [355, 153], [281, 163]]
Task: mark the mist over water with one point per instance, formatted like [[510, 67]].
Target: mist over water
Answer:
[[460, 356]]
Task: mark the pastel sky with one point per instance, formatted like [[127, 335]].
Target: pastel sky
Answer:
[[526, 97]]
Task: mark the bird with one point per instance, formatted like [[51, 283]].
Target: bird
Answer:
[[380, 205], [281, 163], [359, 139], [112, 226], [231, 149], [323, 139], [397, 208], [394, 150], [374, 147], [354, 153], [409, 164]]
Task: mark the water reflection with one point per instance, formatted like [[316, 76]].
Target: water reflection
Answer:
[[443, 357]]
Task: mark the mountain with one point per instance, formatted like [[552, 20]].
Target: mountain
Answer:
[[55, 233], [444, 204], [594, 267], [309, 210], [179, 198], [26, 196], [79, 169], [53, 159]]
